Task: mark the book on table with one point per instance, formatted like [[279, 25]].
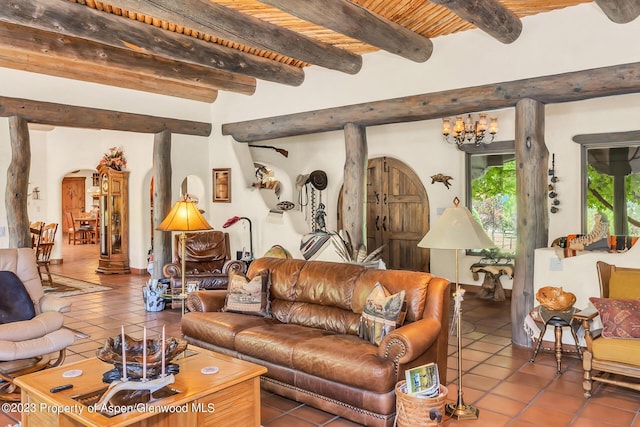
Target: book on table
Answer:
[[423, 380]]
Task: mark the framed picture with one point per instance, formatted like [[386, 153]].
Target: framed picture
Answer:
[[222, 185]]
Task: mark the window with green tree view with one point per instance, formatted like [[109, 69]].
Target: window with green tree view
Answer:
[[613, 188], [491, 195]]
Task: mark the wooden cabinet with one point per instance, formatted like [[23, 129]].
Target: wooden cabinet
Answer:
[[114, 221]]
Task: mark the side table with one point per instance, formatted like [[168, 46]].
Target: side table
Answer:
[[559, 320]]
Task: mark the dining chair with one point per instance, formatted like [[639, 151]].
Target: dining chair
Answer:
[[35, 228], [79, 233], [43, 250]]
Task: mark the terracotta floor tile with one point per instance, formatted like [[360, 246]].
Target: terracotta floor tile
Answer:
[[546, 417], [501, 405], [606, 414]]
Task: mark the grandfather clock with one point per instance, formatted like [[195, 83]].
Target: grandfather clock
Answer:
[[114, 221]]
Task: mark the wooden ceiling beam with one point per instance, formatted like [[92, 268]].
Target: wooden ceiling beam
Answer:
[[620, 11], [211, 18], [488, 15], [49, 53], [79, 21], [567, 87], [49, 113], [353, 20]]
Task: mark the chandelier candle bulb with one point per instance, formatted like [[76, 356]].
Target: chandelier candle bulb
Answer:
[[493, 126]]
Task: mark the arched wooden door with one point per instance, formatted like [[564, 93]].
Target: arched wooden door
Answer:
[[397, 210]]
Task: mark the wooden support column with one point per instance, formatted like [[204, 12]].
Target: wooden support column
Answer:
[[18, 184], [532, 161], [355, 184], [161, 200]]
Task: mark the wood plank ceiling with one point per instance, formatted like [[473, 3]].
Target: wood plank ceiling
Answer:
[[194, 48]]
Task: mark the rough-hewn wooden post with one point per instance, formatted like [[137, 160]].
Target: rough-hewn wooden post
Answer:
[[355, 184], [18, 184], [532, 161], [161, 200]]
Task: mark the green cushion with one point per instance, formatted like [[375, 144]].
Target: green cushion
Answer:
[[624, 284]]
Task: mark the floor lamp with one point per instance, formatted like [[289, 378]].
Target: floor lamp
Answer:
[[184, 216], [456, 229]]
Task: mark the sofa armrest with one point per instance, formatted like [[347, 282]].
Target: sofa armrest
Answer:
[[235, 266], [53, 303], [172, 270], [410, 341], [206, 301]]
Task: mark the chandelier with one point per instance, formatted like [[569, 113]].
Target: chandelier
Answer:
[[469, 132]]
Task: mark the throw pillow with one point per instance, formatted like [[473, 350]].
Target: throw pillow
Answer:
[[248, 296], [15, 301], [620, 317], [624, 284], [382, 314]]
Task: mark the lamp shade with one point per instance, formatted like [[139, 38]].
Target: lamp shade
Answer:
[[184, 216], [456, 229]]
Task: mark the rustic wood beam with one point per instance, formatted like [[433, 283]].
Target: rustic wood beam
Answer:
[[355, 184], [215, 19], [355, 21], [488, 15], [161, 200], [48, 113], [620, 11], [532, 162], [15, 198], [72, 20], [28, 49], [632, 136], [567, 87]]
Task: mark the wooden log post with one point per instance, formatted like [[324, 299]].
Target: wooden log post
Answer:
[[355, 184], [532, 161], [18, 184], [161, 200]]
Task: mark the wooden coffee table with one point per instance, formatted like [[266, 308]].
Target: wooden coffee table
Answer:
[[229, 397]]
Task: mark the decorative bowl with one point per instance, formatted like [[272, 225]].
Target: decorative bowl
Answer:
[[555, 298], [111, 352]]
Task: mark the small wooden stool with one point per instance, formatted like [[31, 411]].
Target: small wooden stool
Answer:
[[559, 320]]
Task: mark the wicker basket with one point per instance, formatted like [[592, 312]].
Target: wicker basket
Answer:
[[412, 411]]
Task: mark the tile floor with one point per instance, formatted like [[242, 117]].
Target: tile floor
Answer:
[[498, 379]]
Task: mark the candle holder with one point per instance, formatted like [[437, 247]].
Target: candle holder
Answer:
[[112, 352]]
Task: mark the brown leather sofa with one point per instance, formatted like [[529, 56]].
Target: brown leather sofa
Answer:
[[310, 345], [207, 260]]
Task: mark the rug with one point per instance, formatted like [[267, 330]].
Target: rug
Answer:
[[66, 286]]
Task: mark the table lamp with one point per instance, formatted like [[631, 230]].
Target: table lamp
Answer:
[[184, 216], [456, 229]]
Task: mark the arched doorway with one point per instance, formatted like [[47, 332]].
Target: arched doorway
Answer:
[[397, 214]]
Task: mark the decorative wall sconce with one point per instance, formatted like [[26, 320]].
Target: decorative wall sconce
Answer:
[[469, 132]]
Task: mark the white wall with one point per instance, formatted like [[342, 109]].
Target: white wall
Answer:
[[566, 40], [570, 39]]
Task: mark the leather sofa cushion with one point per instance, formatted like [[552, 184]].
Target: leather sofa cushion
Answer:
[[335, 357], [219, 328], [316, 316], [15, 302]]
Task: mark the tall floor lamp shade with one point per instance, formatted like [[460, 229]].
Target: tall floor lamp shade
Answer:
[[184, 216], [456, 229]]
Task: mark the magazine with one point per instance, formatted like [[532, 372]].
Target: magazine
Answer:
[[423, 381]]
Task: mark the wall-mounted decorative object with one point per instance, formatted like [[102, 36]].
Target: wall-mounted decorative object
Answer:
[[279, 150], [553, 194], [445, 179], [222, 185]]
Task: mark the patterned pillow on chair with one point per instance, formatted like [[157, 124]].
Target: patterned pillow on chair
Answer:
[[620, 317], [248, 296], [382, 314]]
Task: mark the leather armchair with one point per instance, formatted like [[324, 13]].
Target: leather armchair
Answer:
[[25, 345], [207, 260]]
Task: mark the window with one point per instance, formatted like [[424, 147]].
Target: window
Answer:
[[612, 187], [491, 193]]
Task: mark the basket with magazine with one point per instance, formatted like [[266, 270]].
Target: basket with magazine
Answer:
[[420, 400]]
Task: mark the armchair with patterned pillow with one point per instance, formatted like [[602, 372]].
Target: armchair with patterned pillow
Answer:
[[613, 352], [31, 333]]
